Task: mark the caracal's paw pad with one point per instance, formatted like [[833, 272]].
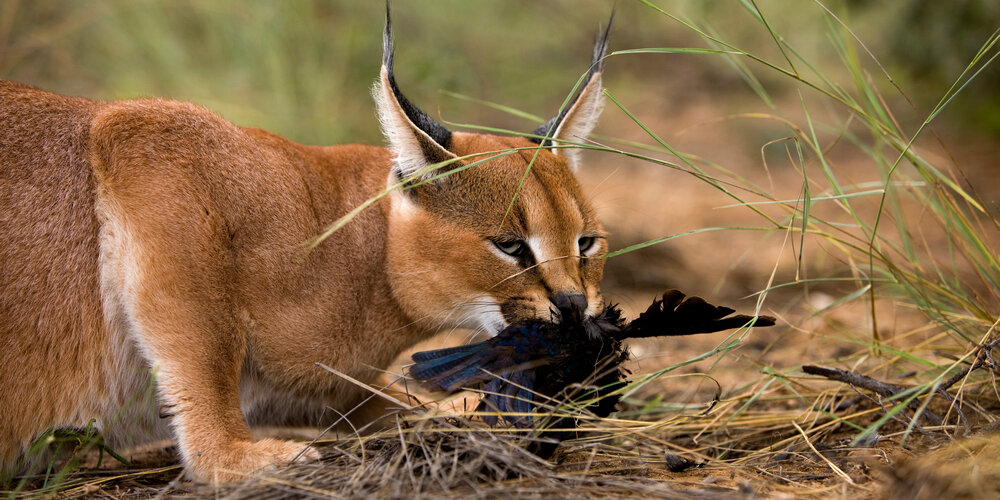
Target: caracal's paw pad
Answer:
[[243, 460]]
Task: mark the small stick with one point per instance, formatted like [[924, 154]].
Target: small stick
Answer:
[[894, 417], [983, 357], [876, 386], [958, 408]]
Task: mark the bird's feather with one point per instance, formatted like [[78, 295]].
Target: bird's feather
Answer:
[[551, 359]]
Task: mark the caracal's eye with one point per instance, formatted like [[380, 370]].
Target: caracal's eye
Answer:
[[514, 248], [586, 243]]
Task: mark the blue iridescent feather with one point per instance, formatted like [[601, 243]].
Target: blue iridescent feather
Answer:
[[534, 362]]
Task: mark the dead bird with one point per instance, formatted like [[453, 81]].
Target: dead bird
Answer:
[[570, 356]]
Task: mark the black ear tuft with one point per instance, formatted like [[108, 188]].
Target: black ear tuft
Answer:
[[441, 135], [548, 129]]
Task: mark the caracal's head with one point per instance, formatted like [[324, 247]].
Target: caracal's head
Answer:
[[492, 242]]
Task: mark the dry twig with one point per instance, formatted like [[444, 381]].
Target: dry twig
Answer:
[[881, 388]]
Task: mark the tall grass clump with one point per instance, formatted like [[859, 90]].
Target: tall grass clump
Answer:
[[914, 234]]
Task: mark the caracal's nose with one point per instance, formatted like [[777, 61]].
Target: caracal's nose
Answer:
[[571, 306]]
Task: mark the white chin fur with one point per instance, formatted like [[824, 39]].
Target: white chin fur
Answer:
[[482, 313], [493, 325]]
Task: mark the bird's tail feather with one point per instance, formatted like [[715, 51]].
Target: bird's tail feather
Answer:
[[674, 315], [452, 368]]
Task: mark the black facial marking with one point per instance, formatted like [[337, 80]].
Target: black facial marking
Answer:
[[517, 248], [441, 135]]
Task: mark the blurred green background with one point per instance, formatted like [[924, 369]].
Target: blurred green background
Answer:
[[303, 68]]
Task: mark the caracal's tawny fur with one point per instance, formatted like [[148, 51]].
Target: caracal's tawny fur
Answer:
[[152, 244]]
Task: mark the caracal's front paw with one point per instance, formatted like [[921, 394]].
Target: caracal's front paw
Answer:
[[242, 459]]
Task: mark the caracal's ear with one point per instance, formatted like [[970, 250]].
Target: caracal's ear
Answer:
[[415, 138], [579, 117]]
